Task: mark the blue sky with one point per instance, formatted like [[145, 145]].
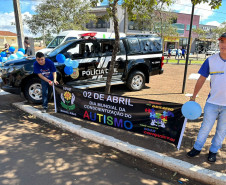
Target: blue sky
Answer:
[[207, 16], [25, 5]]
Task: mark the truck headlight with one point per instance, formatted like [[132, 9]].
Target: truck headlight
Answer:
[[11, 69], [4, 70]]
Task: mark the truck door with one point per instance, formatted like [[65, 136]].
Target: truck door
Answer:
[[87, 53], [106, 47], [94, 57]]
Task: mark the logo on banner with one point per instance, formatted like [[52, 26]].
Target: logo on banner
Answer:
[[158, 119], [68, 100]]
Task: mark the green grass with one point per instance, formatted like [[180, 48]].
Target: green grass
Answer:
[[173, 61]]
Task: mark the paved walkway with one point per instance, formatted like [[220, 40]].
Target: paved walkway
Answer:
[[33, 152], [166, 87], [182, 167]]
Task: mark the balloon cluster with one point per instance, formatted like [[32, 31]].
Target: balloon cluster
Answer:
[[5, 56], [70, 64]]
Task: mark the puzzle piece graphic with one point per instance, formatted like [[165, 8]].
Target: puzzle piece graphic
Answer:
[[163, 117], [170, 114], [165, 113], [152, 115], [158, 115]]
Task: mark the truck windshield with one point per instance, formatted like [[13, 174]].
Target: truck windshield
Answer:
[[58, 49], [56, 42]]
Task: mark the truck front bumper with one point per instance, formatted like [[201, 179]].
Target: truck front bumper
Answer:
[[10, 89]]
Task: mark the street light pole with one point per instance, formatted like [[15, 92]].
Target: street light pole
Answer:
[[188, 48], [18, 21]]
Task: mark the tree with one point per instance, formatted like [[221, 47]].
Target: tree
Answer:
[[163, 24], [158, 20], [223, 26], [214, 4], [217, 32], [201, 35], [37, 25], [134, 8], [57, 15], [200, 32]]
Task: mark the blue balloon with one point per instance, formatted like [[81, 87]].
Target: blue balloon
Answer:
[[191, 110], [11, 49], [75, 63], [3, 54], [12, 57], [19, 54], [22, 49], [0, 59], [68, 70], [4, 59], [68, 62], [60, 58]]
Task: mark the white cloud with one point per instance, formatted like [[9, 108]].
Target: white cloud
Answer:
[[202, 9], [8, 23], [29, 5], [6, 20], [33, 7], [213, 23]]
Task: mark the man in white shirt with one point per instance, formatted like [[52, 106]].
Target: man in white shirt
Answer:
[[215, 107]]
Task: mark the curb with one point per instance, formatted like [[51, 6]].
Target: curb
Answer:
[[185, 168]]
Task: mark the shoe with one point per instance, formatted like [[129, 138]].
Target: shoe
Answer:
[[44, 110], [193, 152], [212, 157]]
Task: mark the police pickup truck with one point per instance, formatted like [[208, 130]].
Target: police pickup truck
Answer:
[[139, 57]]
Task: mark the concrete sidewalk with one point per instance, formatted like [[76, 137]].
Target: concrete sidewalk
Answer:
[[193, 171]]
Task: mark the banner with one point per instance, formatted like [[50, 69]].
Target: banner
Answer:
[[159, 119]]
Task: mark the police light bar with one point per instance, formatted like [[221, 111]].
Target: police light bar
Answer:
[[92, 34]]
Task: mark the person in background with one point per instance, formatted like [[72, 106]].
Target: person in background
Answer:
[[177, 53], [6, 50], [87, 51], [6, 47], [28, 50], [169, 53], [183, 53], [26, 40], [215, 107], [46, 71]]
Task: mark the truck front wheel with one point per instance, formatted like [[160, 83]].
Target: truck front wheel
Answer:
[[33, 91], [136, 81]]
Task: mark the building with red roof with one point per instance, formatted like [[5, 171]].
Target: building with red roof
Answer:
[[8, 37]]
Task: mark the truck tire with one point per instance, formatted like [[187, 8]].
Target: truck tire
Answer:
[[136, 81], [33, 91]]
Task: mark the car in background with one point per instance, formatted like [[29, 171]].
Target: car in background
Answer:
[[173, 52], [212, 51], [75, 34], [165, 53]]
